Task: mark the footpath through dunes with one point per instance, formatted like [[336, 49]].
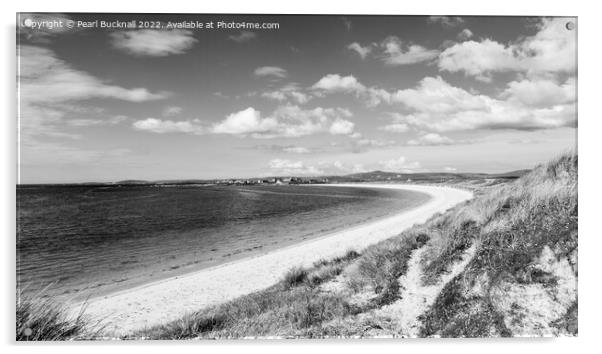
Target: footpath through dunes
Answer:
[[171, 299]]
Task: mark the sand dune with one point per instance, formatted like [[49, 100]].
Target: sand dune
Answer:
[[170, 299]]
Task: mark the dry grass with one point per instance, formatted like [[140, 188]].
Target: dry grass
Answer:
[[39, 318], [293, 307], [537, 211]]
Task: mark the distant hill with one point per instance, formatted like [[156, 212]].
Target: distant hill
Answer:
[[373, 176], [433, 177]]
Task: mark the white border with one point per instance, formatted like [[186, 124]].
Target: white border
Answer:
[[590, 127]]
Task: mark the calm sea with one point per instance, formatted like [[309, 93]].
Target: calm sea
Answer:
[[89, 241]]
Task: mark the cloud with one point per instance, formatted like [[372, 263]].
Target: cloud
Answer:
[[446, 21], [400, 164], [341, 127], [395, 127], [247, 121], [46, 83], [551, 50], [465, 34], [286, 121], [449, 169], [293, 168], [363, 145], [159, 126], [437, 105], [96, 122], [296, 149], [172, 111], [431, 139], [293, 149], [243, 36], [362, 51], [338, 83], [396, 53], [333, 83], [541, 93], [291, 92], [338, 167], [154, 43], [286, 167], [393, 52], [273, 71]]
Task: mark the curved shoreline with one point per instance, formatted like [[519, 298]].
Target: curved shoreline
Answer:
[[169, 299]]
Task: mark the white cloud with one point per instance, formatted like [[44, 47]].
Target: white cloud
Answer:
[[341, 127], [338, 83], [332, 83], [449, 169], [396, 53], [541, 93], [395, 127], [338, 167], [46, 83], [431, 139], [292, 149], [168, 126], [446, 21], [400, 164], [465, 34], [362, 51], [273, 71], [96, 122], [243, 36], [392, 51], [291, 92], [172, 111], [296, 149], [286, 121], [437, 96], [439, 106], [292, 168], [156, 43], [245, 122], [551, 50]]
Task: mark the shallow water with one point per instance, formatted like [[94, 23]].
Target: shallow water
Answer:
[[89, 241]]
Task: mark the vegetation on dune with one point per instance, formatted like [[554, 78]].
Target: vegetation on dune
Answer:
[[522, 279], [293, 307], [519, 241], [39, 318]]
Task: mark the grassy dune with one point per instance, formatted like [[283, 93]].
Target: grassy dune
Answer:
[[502, 264], [39, 318]]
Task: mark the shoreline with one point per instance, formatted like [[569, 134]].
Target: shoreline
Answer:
[[171, 298], [187, 268]]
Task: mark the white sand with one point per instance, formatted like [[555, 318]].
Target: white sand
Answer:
[[170, 299]]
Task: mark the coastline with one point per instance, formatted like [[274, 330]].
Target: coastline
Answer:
[[169, 299]]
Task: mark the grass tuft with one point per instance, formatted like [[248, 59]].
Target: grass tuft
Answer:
[[39, 318]]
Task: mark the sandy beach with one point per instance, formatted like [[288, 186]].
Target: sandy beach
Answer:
[[170, 299]]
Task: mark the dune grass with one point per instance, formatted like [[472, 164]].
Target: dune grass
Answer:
[[39, 318], [292, 308], [537, 212]]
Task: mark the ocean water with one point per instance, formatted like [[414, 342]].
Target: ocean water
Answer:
[[86, 241]]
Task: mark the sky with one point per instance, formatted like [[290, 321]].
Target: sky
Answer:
[[291, 95]]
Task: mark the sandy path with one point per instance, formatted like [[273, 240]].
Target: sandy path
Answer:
[[416, 298], [170, 299]]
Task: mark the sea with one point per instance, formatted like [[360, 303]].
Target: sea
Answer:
[[78, 242]]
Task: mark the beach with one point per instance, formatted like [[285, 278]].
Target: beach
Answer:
[[169, 299]]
